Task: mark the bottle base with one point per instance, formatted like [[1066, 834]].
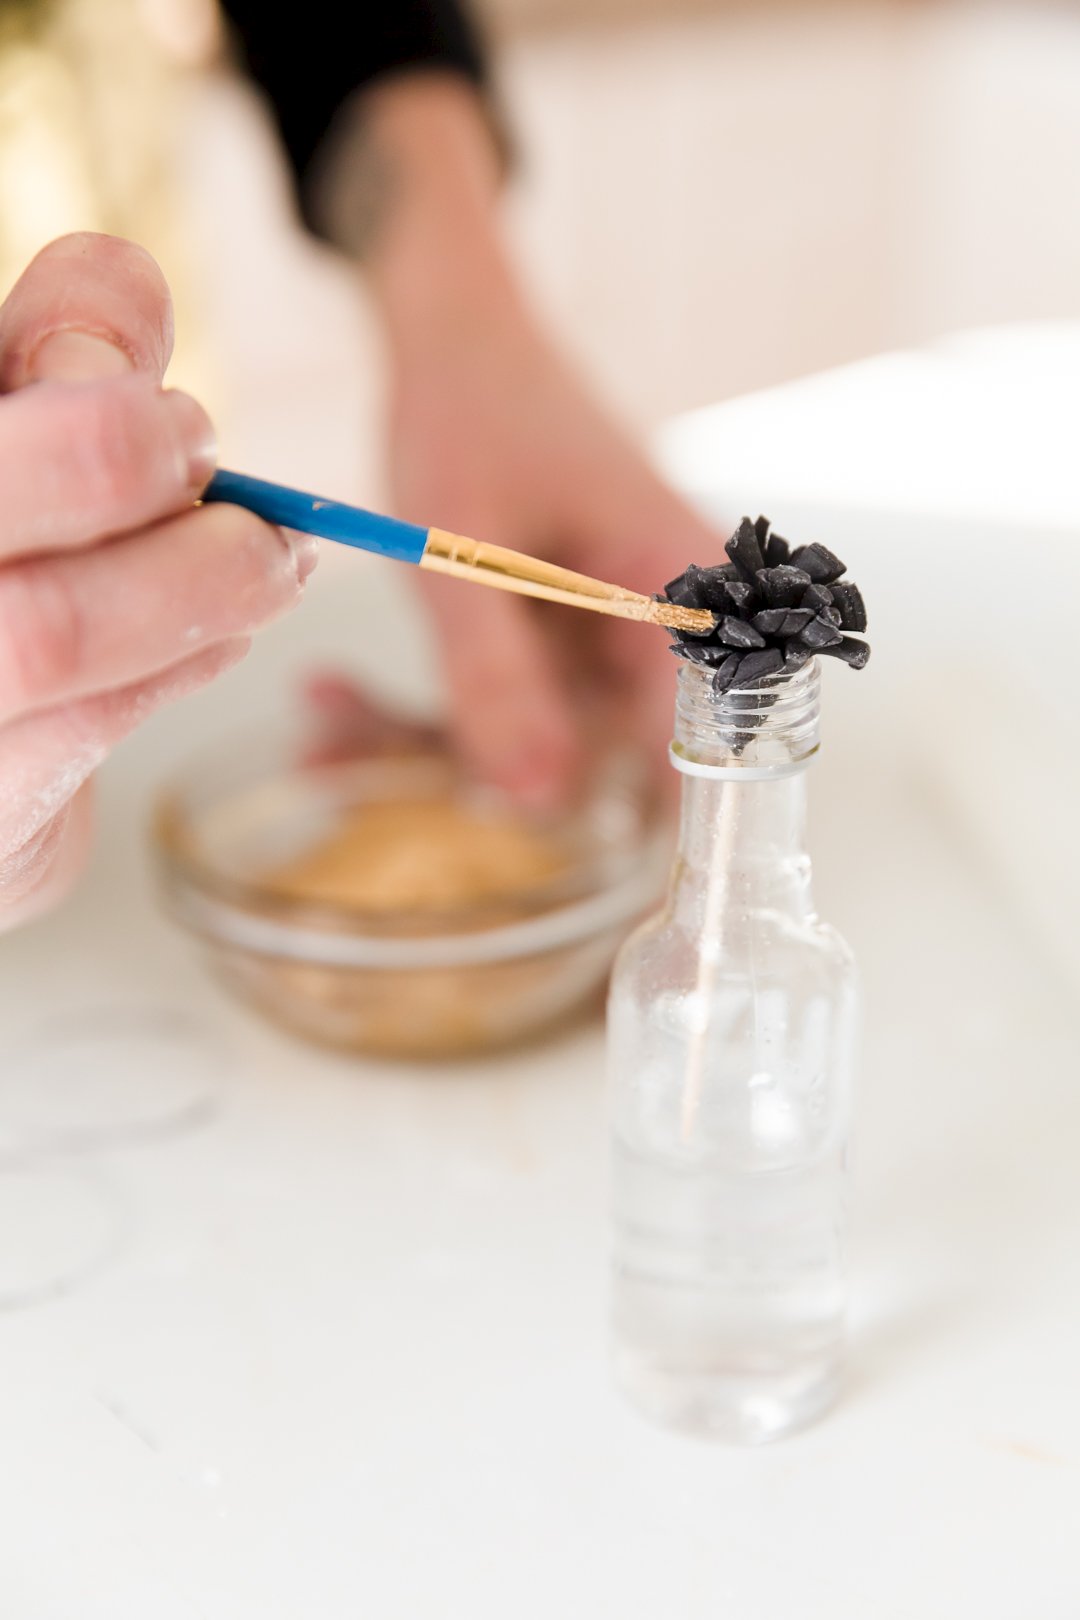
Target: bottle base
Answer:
[[748, 1409]]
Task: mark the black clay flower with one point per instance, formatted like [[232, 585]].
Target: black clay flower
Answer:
[[775, 609]]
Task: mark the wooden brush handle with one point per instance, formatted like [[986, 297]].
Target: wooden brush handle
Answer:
[[462, 558]]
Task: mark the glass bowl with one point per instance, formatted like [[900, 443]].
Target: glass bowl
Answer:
[[450, 966]]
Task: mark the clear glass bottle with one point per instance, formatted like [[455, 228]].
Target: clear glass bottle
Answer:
[[730, 1039]]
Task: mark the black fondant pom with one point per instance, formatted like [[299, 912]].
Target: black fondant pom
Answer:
[[777, 552], [848, 599], [744, 549], [820, 633], [776, 609], [819, 563], [853, 652], [783, 586], [742, 596], [816, 597], [756, 665], [726, 672], [739, 633]]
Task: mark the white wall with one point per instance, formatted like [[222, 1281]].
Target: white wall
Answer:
[[713, 205], [705, 207], [987, 180]]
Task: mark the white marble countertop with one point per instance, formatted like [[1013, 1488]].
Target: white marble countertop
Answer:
[[347, 1355]]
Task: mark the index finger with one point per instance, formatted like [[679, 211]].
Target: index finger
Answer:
[[98, 286]]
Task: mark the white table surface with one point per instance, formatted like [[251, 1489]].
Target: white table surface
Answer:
[[348, 1359]]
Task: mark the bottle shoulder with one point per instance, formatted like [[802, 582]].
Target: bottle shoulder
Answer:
[[750, 943]]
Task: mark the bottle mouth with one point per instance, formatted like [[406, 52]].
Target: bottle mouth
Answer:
[[769, 729]]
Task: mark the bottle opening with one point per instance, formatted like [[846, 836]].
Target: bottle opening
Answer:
[[770, 728]]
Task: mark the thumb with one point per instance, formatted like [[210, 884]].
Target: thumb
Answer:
[[72, 357], [508, 712], [88, 307]]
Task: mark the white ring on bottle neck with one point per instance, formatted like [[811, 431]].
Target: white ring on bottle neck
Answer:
[[738, 773]]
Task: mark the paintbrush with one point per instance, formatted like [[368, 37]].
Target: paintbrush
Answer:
[[446, 553]]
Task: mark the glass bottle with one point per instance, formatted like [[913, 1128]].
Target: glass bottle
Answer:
[[731, 1034]]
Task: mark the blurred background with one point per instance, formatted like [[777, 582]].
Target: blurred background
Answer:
[[710, 199], [711, 196], [825, 258]]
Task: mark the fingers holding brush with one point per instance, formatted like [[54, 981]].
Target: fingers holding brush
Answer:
[[46, 762], [116, 594]]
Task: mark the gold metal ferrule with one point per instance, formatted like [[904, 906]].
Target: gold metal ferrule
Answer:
[[461, 558]]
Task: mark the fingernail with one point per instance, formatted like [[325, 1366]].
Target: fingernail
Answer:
[[305, 550], [195, 431], [77, 357]]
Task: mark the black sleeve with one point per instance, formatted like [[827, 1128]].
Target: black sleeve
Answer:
[[310, 61]]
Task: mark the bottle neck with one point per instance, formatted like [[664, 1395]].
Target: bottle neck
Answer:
[[743, 756], [753, 834]]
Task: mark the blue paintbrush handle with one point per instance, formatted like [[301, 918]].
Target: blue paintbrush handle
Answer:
[[293, 509]]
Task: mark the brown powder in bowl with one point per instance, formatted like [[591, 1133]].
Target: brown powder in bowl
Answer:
[[423, 854]]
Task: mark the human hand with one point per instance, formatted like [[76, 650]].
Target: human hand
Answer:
[[116, 594], [493, 436], [497, 439]]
